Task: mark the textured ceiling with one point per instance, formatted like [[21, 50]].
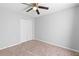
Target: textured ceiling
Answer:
[[53, 7]]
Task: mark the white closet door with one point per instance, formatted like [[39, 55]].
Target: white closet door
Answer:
[[26, 30]]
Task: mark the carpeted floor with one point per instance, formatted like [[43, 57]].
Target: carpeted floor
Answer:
[[36, 48]]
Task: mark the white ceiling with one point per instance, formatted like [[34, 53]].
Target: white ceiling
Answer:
[[53, 7]]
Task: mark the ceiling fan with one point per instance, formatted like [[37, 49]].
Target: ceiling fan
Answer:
[[35, 7]]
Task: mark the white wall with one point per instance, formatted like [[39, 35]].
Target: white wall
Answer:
[[60, 27], [10, 27]]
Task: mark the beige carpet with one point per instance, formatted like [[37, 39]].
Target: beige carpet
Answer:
[[36, 48]]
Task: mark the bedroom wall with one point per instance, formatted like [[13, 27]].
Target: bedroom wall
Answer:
[[10, 27], [61, 28]]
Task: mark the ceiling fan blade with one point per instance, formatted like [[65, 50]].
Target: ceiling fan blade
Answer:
[[27, 4], [29, 9], [42, 7], [37, 11]]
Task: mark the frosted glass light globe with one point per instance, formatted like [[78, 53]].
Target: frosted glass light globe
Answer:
[[34, 8]]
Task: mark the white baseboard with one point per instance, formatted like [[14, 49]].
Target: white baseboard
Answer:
[[10, 45], [59, 45], [13, 45]]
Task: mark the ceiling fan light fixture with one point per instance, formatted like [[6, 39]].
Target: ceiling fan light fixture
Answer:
[[35, 8]]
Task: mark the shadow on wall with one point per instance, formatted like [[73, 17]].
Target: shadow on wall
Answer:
[[74, 43]]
